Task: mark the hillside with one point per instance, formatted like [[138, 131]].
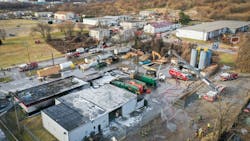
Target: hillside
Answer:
[[211, 9]]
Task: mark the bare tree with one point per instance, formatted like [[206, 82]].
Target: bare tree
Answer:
[[44, 29], [2, 35], [243, 63], [81, 27], [223, 110], [62, 28], [69, 27]]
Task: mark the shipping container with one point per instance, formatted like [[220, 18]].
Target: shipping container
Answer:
[[48, 71]]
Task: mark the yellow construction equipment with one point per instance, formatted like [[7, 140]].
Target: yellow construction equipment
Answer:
[[160, 60], [129, 55]]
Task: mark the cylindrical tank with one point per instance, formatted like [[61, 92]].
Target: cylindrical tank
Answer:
[[67, 65], [193, 59], [209, 57], [104, 56], [202, 61]]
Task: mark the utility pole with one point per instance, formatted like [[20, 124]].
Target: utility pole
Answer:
[[16, 115], [28, 54]]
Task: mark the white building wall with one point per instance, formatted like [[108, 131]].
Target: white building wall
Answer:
[[99, 34], [191, 34], [90, 21], [79, 133], [67, 16], [129, 107], [54, 128]]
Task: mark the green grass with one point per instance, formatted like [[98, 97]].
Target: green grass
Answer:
[[31, 73], [227, 59], [17, 22], [14, 51], [6, 79], [34, 124]]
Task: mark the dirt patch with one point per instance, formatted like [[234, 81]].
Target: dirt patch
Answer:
[[72, 43]]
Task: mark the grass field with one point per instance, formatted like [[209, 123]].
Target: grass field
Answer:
[[34, 124], [16, 22], [15, 51], [227, 59]]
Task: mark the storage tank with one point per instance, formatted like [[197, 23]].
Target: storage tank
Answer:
[[202, 61], [67, 65], [193, 58], [104, 56], [209, 57]]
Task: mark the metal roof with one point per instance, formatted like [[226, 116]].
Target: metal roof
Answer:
[[45, 91], [65, 116], [160, 24], [216, 25]]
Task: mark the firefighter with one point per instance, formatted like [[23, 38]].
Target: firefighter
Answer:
[[200, 134]]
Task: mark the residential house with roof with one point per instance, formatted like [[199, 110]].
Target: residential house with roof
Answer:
[[99, 33], [210, 30], [64, 15], [159, 27]]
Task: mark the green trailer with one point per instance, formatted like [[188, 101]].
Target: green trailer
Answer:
[[126, 86], [146, 79]]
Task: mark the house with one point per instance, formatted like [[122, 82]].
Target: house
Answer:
[[119, 17], [146, 13], [210, 30], [133, 24], [76, 116], [100, 21], [159, 27], [63, 15], [99, 33], [124, 35]]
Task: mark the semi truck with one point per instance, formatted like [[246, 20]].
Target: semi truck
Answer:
[[126, 86], [27, 67], [175, 73], [141, 85], [148, 80]]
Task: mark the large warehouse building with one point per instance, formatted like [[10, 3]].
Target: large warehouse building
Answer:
[[88, 111], [210, 30]]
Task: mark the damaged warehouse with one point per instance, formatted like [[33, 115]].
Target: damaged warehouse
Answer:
[[36, 98], [88, 111]]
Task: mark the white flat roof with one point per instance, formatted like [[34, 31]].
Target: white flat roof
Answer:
[[82, 106], [106, 97], [212, 26]]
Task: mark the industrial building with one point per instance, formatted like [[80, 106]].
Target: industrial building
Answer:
[[159, 27], [36, 98], [88, 111], [64, 15], [100, 21], [99, 33], [210, 30], [133, 24]]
